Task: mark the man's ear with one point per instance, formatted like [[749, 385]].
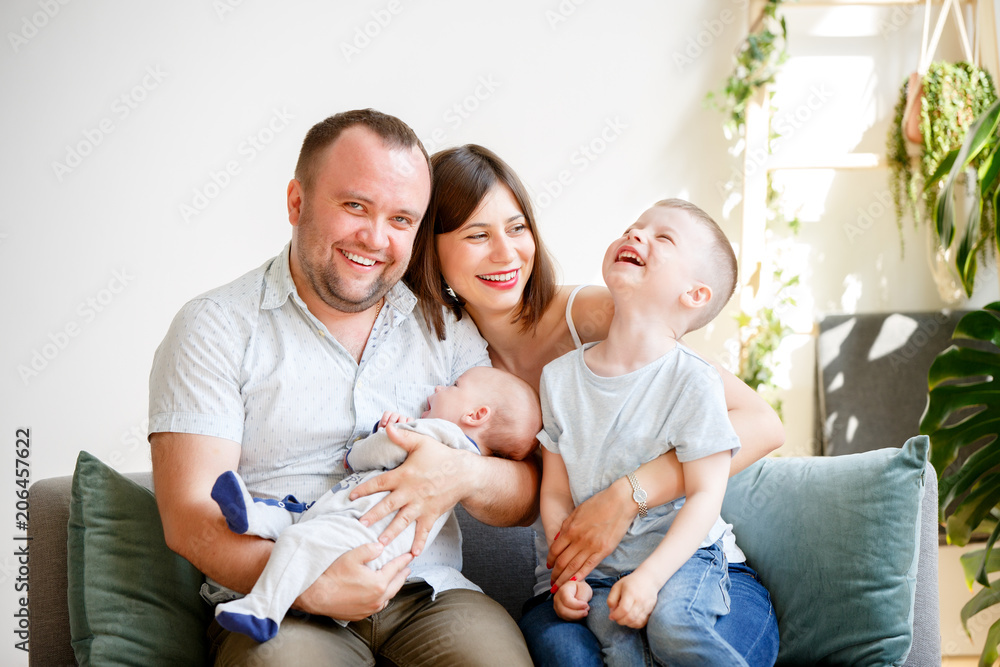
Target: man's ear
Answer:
[[294, 197], [477, 417], [697, 296]]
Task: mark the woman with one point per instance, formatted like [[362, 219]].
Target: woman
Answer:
[[478, 253]]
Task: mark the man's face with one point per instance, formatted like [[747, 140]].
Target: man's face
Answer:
[[353, 230]]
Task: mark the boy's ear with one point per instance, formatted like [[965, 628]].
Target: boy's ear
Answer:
[[699, 295], [477, 417]]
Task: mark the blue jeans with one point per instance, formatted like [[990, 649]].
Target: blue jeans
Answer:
[[750, 627]]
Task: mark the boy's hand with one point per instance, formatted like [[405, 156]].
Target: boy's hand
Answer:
[[632, 599], [389, 417], [570, 601]]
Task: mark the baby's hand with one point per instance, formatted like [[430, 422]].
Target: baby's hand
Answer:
[[570, 601], [632, 599], [389, 417]]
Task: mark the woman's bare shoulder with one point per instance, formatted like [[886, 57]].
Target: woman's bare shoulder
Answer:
[[592, 311]]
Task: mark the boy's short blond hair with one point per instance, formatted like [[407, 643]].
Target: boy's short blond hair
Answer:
[[719, 261]]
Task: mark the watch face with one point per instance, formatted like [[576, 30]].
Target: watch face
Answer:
[[639, 495]]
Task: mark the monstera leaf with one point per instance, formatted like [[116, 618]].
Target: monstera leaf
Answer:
[[963, 416]]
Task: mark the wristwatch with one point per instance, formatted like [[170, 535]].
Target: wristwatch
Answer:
[[638, 494]]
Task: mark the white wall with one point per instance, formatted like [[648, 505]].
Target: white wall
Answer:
[[158, 99], [535, 81]]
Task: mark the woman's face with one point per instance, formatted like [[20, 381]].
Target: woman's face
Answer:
[[488, 259]]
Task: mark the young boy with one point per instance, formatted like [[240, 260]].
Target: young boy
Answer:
[[487, 411], [610, 406]]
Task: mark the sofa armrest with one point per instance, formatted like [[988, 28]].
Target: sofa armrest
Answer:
[[48, 608]]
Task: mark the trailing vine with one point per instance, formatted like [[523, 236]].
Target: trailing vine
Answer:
[[954, 95], [757, 62]]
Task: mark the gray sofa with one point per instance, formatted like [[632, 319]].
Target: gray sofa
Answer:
[[856, 394], [483, 548]]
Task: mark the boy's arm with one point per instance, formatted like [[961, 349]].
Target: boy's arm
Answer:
[[556, 500], [632, 598], [597, 525]]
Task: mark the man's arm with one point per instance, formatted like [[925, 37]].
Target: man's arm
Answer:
[[185, 467], [434, 478]]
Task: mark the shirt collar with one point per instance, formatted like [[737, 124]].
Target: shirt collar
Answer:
[[278, 285]]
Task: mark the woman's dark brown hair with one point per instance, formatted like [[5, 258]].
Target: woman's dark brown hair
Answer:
[[462, 178]]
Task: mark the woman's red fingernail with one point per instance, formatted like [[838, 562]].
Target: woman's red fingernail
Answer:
[[557, 536], [573, 578], [553, 589]]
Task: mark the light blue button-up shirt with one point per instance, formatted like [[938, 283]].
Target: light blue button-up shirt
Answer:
[[249, 363]]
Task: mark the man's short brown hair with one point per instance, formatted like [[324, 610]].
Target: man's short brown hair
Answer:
[[393, 132]]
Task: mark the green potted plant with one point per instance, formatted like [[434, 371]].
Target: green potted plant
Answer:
[[953, 96], [978, 160], [963, 417]]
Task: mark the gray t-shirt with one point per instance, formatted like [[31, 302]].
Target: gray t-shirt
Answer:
[[606, 427]]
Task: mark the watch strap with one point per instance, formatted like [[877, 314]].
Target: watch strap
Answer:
[[638, 494]]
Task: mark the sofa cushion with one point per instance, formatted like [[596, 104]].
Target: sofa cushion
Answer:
[[131, 599], [836, 541]]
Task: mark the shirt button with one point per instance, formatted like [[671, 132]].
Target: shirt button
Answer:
[[320, 332]]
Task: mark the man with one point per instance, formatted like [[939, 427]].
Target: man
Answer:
[[277, 372]]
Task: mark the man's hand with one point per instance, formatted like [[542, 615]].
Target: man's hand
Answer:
[[430, 482], [591, 532], [570, 601], [390, 417], [350, 590], [632, 599]]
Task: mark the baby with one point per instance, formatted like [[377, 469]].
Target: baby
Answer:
[[486, 411], [611, 406]]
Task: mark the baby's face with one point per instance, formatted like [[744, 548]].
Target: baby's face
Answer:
[[452, 402]]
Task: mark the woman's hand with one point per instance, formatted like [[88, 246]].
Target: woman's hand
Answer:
[[591, 532], [431, 481], [350, 590]]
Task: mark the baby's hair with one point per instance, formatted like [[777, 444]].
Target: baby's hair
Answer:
[[516, 417], [720, 260]]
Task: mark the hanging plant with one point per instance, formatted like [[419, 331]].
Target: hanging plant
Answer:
[[954, 94], [981, 147]]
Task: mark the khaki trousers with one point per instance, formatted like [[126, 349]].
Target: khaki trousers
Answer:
[[460, 628]]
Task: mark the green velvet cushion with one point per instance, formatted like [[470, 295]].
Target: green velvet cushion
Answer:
[[835, 540], [132, 601]]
